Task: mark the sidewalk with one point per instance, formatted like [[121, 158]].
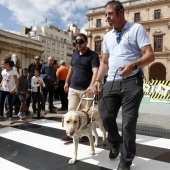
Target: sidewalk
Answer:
[[154, 119]]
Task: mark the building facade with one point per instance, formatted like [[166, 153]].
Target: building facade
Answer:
[[154, 15], [23, 48], [56, 42]]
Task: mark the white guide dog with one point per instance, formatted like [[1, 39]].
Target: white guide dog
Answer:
[[82, 123]]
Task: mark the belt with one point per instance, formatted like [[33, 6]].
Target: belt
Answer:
[[130, 77]]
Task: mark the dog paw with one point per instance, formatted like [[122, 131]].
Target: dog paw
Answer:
[[92, 153], [72, 161], [104, 142]]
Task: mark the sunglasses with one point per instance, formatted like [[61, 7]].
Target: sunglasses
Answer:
[[37, 59], [80, 41]]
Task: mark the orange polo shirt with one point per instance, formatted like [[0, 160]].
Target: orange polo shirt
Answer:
[[62, 72]]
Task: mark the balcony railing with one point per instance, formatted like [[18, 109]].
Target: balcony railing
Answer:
[[124, 2], [98, 26], [128, 3]]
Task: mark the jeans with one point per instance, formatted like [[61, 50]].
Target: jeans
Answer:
[[9, 98], [127, 94], [28, 99]]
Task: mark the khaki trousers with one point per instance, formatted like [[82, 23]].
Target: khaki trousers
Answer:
[[74, 98]]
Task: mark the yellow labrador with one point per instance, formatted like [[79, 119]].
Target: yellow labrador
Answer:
[[82, 123]]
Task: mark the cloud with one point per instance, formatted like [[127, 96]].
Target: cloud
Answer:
[[57, 12], [1, 25]]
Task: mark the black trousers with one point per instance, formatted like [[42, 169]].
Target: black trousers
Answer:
[[127, 94], [35, 97], [63, 95], [49, 90]]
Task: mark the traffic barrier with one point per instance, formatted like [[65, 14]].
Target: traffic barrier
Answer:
[[146, 87], [162, 91]]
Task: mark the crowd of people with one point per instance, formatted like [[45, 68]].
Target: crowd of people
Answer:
[[126, 50], [36, 84]]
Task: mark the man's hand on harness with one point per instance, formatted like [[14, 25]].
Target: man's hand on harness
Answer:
[[89, 89]]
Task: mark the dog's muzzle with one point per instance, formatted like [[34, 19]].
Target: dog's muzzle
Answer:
[[71, 133]]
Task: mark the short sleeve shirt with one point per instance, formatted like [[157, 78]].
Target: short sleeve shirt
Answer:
[[8, 81], [133, 38], [82, 69]]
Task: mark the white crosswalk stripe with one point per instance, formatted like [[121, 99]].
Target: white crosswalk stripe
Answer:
[[56, 146], [7, 165]]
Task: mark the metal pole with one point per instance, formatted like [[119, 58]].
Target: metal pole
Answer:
[[38, 100]]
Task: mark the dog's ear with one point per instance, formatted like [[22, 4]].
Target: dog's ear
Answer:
[[63, 121]]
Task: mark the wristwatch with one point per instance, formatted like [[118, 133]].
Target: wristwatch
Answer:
[[134, 66]]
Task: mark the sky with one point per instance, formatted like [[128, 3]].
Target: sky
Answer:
[[17, 14]]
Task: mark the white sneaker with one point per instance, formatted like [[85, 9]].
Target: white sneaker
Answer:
[[11, 121], [21, 116]]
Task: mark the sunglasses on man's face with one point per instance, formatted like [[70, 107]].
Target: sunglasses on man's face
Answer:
[[80, 41], [37, 59]]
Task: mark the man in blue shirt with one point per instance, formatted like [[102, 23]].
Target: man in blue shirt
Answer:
[[126, 50], [49, 72]]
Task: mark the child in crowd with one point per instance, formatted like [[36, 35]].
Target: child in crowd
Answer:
[[1, 68], [8, 86], [22, 90], [37, 81]]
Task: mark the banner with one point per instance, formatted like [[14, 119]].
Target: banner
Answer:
[[158, 90]]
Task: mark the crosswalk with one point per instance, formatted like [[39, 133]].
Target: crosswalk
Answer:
[[36, 146]]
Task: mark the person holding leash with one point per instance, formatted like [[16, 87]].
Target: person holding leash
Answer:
[[126, 50]]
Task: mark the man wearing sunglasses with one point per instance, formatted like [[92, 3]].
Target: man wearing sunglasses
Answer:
[[126, 50], [31, 69], [81, 76]]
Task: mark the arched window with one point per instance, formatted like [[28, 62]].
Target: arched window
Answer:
[[158, 40], [158, 43], [98, 44], [98, 47]]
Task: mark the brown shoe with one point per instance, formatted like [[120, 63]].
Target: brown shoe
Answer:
[[66, 138]]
